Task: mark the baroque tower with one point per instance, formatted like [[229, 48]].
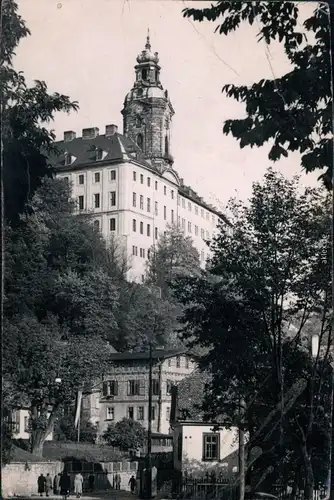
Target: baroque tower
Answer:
[[147, 112]]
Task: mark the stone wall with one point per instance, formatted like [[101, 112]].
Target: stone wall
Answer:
[[19, 479]]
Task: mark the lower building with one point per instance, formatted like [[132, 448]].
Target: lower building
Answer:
[[20, 425]]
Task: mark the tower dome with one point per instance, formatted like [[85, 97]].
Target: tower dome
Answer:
[[147, 55]]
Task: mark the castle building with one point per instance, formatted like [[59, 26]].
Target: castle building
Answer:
[[127, 182]]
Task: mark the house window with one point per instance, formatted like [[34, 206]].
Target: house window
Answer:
[[156, 185], [141, 202], [156, 233], [110, 388], [183, 203], [202, 233], [149, 181], [207, 215], [134, 199], [130, 413], [169, 362], [210, 447], [135, 387], [156, 208], [187, 363], [202, 213], [148, 254], [140, 141], [196, 230], [110, 413], [207, 235], [26, 424], [81, 202], [172, 216], [148, 230], [165, 212], [134, 250], [68, 160], [148, 204], [178, 220], [183, 223], [153, 413], [142, 252], [172, 194], [189, 206], [140, 413], [112, 224], [65, 179], [134, 225], [112, 175], [141, 179], [99, 154], [189, 227], [169, 385], [97, 200], [134, 175], [178, 361], [196, 209], [81, 179], [97, 177], [168, 413], [178, 200], [97, 224], [165, 190], [141, 228], [155, 387], [113, 198]]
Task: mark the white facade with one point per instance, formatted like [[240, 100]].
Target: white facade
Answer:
[[131, 192], [196, 445], [21, 425]]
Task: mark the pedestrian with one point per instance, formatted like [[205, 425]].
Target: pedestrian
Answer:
[[41, 484], [132, 483], [118, 481], [65, 485], [91, 481], [78, 480], [56, 484], [48, 484]]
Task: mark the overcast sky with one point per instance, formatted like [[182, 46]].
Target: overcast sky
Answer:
[[88, 49]]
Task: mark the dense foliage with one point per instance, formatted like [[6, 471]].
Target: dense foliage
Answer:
[[268, 288], [127, 434], [292, 112]]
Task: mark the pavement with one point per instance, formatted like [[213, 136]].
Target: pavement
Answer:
[[99, 495]]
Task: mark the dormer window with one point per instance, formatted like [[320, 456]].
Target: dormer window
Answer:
[[68, 159], [99, 154]]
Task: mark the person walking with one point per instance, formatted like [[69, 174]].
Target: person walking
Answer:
[[41, 485], [65, 485], [132, 483], [78, 480], [48, 484], [118, 481], [91, 481], [56, 486]]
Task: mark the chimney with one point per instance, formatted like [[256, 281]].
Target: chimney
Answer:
[[111, 130], [90, 133], [181, 181], [69, 135]]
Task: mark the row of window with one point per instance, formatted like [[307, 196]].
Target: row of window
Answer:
[[142, 252], [96, 177], [141, 228], [204, 215], [97, 200], [136, 413], [182, 223], [112, 224], [148, 182], [136, 387]]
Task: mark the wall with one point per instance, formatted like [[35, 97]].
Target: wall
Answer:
[[16, 481], [192, 444]]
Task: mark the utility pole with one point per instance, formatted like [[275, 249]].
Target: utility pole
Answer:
[[149, 429], [242, 461]]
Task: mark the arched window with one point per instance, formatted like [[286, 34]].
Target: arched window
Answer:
[[140, 141], [144, 74], [166, 146]]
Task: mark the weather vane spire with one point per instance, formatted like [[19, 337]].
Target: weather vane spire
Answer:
[[148, 45]]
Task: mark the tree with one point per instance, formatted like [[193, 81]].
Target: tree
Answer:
[[292, 112], [271, 271], [65, 430], [174, 255], [126, 435], [26, 142]]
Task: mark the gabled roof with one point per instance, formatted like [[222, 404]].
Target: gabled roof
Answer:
[[157, 354], [190, 393], [117, 146]]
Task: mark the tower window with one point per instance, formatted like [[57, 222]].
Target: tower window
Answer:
[[166, 146], [139, 92], [140, 141], [138, 122], [156, 75], [144, 74]]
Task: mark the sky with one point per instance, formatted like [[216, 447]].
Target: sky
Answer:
[[88, 49]]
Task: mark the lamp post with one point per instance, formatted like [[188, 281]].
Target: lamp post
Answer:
[[330, 479]]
